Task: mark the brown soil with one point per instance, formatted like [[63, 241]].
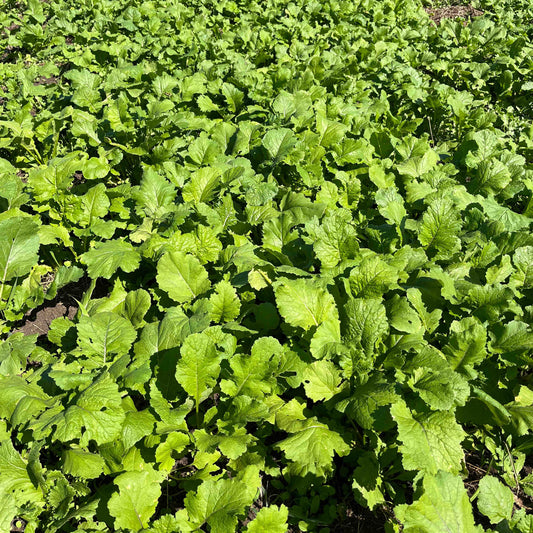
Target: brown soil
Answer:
[[38, 322], [52, 80], [436, 14]]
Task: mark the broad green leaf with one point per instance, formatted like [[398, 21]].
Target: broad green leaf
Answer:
[[105, 334], [15, 477], [391, 205], [14, 352], [155, 195], [136, 305], [439, 228], [94, 414], [82, 464], [430, 441], [224, 304], [495, 500], [182, 276], [372, 278], [364, 324], [466, 342], [8, 510], [218, 503], [311, 447], [107, 257], [19, 244], [279, 143], [301, 303], [168, 451], [137, 424], [443, 508], [272, 519], [367, 398], [512, 338], [135, 502], [202, 185], [252, 373], [523, 261], [402, 316], [95, 204], [321, 380], [199, 366]]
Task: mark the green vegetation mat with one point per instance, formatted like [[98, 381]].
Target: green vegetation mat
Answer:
[[266, 266]]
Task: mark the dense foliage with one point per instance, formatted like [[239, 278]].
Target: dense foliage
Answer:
[[285, 253]]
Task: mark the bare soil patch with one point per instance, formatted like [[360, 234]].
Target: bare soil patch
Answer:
[[436, 14]]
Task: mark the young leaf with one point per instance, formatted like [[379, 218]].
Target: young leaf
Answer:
[[272, 519], [303, 304], [279, 143], [104, 334], [495, 500], [443, 508], [430, 441], [217, 503], [182, 276], [225, 304], [107, 257], [199, 366], [135, 502], [19, 244]]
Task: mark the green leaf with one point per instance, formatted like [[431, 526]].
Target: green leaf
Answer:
[[201, 188], [199, 366], [94, 414], [224, 304], [272, 519], [512, 338], [279, 143], [523, 261], [15, 477], [156, 195], [182, 276], [19, 244], [218, 503], [495, 500], [372, 278], [364, 324], [443, 508], [136, 305], [168, 451], [301, 303], [439, 228], [82, 464], [391, 205], [252, 373], [107, 257], [135, 502], [321, 380], [95, 204], [311, 447], [104, 334], [430, 441], [466, 343]]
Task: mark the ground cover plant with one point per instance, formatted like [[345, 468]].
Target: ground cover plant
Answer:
[[266, 266]]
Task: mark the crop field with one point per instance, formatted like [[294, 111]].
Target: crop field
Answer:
[[266, 266]]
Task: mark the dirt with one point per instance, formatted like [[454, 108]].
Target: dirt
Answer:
[[42, 80], [17, 526], [436, 14], [38, 321]]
